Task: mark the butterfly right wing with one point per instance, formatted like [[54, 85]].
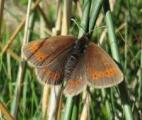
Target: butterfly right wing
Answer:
[[78, 79], [102, 71], [49, 56]]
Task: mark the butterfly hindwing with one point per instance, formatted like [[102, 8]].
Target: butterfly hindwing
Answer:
[[102, 71], [77, 81]]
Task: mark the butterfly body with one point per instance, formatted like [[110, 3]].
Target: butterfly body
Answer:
[[80, 63], [76, 53]]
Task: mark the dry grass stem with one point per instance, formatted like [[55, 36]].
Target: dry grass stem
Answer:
[[5, 112], [54, 102], [1, 16], [18, 29], [45, 19], [66, 16], [85, 111], [45, 101], [79, 9], [58, 23], [21, 69]]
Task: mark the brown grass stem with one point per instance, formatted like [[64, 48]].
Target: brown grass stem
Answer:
[[21, 68], [66, 16], [86, 106], [5, 112], [1, 16], [18, 29]]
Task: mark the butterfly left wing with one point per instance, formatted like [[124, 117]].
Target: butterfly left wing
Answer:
[[102, 71], [77, 81], [53, 72], [48, 56]]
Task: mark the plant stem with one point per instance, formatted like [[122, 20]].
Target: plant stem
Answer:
[[97, 5], [5, 112], [85, 18], [75, 108], [68, 108], [21, 69], [18, 29], [1, 16]]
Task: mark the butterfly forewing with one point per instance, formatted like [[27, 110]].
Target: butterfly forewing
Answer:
[[102, 71], [77, 81], [42, 52]]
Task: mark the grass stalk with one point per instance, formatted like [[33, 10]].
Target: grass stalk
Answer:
[[1, 16], [75, 108], [57, 28], [5, 112], [14, 55], [21, 70], [79, 9], [54, 102], [13, 36], [68, 109], [9, 71], [18, 29], [66, 16], [107, 105], [111, 33], [140, 75], [86, 107], [48, 27], [46, 88], [25, 89], [85, 18], [45, 101], [97, 5], [115, 54], [25, 82]]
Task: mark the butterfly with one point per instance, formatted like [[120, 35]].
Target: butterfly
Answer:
[[80, 63]]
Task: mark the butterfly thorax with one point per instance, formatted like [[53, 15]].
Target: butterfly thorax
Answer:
[[75, 56]]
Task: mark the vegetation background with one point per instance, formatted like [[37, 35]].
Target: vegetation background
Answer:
[[22, 97]]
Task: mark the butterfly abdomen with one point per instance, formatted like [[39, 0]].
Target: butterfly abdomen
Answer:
[[71, 62]]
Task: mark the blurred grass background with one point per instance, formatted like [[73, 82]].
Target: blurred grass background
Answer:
[[28, 99]]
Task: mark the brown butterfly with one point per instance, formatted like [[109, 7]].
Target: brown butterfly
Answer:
[[80, 63]]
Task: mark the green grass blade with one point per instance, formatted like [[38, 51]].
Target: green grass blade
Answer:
[[97, 5], [68, 108], [115, 54]]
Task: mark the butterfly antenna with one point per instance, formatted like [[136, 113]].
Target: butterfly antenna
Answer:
[[78, 25]]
